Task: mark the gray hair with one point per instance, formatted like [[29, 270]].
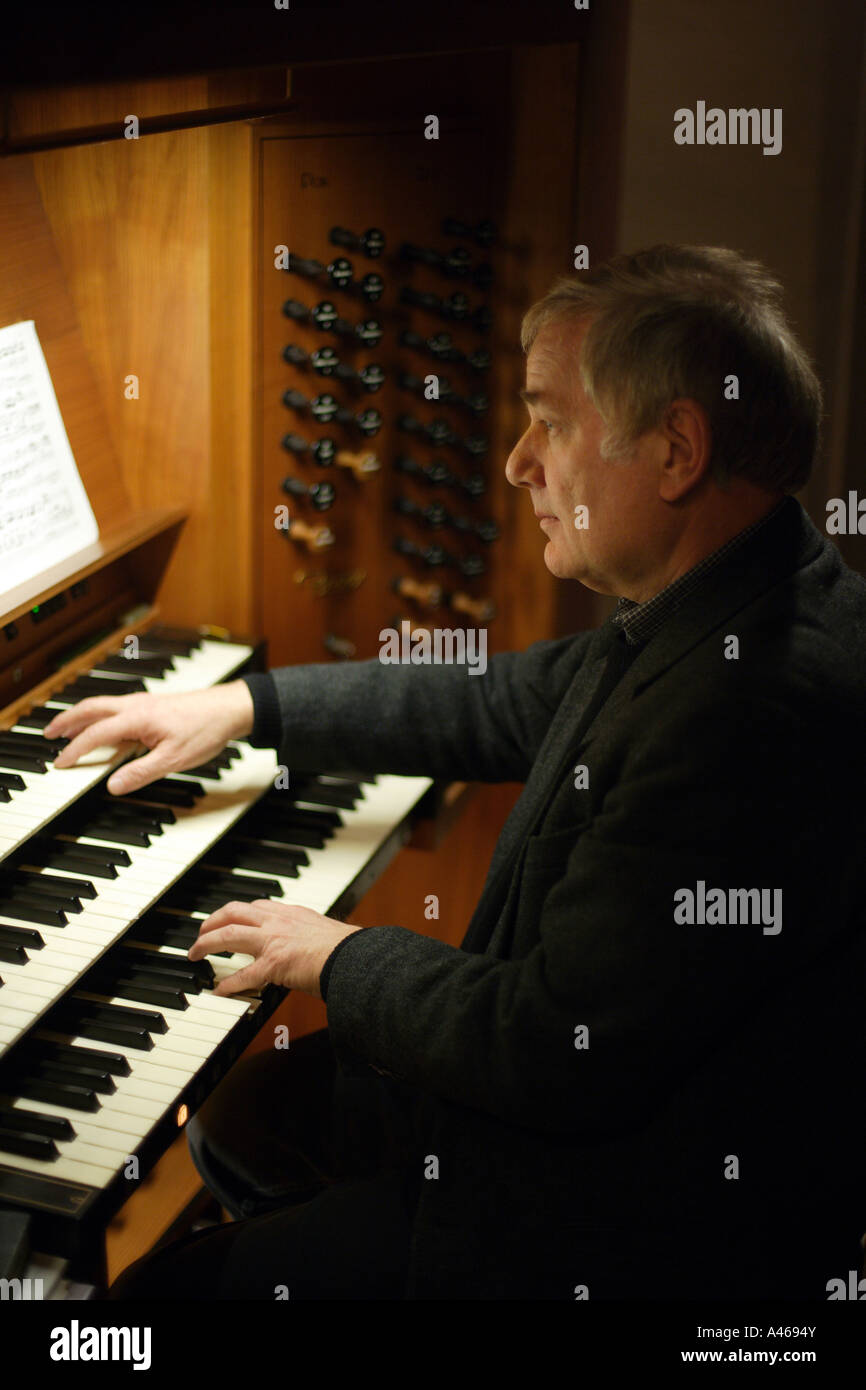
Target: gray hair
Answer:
[[675, 321]]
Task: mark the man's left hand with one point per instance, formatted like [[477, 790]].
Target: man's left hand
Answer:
[[290, 944]]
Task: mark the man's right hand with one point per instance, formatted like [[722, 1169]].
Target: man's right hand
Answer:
[[181, 731]]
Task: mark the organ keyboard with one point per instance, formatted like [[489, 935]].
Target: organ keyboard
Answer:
[[109, 1036]]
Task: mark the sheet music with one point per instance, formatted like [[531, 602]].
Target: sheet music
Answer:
[[45, 515]]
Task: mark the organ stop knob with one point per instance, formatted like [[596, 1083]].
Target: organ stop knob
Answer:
[[321, 495], [371, 242], [312, 537]]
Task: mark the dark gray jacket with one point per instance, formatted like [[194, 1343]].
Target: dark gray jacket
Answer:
[[619, 1102]]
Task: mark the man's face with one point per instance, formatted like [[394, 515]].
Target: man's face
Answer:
[[558, 459]]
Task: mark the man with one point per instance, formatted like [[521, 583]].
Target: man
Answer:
[[639, 1076]]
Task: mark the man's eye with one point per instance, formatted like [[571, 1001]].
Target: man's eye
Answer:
[[548, 425]]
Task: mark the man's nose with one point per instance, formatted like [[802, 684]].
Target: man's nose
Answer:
[[521, 463]]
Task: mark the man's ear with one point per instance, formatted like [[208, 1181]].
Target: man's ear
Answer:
[[685, 448]]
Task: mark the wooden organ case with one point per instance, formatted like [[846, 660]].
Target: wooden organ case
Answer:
[[322, 308]]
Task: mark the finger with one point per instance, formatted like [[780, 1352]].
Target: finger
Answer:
[[69, 722], [106, 733], [141, 771], [234, 937], [250, 977], [246, 914]]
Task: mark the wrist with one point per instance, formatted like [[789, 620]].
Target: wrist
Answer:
[[240, 708]]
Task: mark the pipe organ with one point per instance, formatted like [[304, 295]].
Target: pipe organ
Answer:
[[319, 309]]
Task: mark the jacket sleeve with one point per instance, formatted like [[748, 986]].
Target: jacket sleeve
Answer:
[[432, 721], [652, 993]]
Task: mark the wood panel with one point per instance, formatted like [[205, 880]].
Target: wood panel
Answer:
[[32, 286], [61, 114], [133, 221]]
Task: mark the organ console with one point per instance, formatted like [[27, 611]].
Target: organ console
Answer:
[[109, 1036]]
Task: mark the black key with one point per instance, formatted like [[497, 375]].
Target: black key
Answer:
[[21, 936], [34, 1122], [73, 1096], [345, 784], [286, 813], [155, 666], [21, 762], [136, 817], [32, 912], [117, 834], [101, 1030], [5, 794], [185, 972], [288, 835], [143, 988], [199, 972], [32, 743], [168, 792], [218, 879], [242, 854], [169, 642], [38, 717], [167, 929], [111, 854], [56, 883], [35, 894], [113, 1063], [320, 795], [35, 1068], [64, 857], [200, 900], [119, 1013], [28, 1145], [83, 687], [15, 955], [210, 771], [12, 781], [159, 815]]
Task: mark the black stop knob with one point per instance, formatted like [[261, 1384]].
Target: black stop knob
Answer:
[[475, 485], [456, 306], [300, 265], [372, 376], [476, 445], [324, 361], [324, 315], [457, 262], [369, 332], [372, 287], [341, 272], [294, 354], [295, 443], [294, 309], [371, 242], [369, 422], [322, 495], [324, 408], [324, 451]]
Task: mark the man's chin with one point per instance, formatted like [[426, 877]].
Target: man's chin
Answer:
[[568, 568]]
